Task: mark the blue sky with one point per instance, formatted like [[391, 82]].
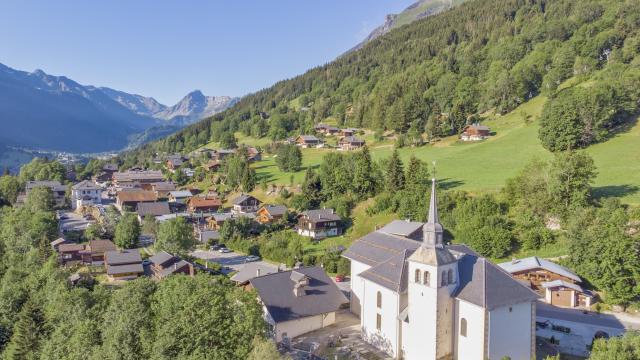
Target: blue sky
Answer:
[[165, 49]]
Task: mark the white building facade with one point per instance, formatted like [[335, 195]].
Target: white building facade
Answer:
[[85, 193], [427, 300]]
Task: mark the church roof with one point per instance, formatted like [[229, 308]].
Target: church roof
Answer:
[[485, 284], [433, 255], [391, 274], [402, 227], [377, 247]]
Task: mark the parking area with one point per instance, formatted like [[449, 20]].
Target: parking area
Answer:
[[70, 221], [230, 262]]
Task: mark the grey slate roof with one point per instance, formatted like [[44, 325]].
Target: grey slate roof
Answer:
[[276, 292], [250, 271], [402, 227], [534, 262], [153, 209], [275, 210], [161, 258], [309, 138], [86, 185], [124, 269], [178, 265], [179, 194], [392, 274], [321, 215], [242, 198], [377, 247], [120, 257], [485, 284]]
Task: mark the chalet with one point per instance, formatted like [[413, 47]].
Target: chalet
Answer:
[[123, 264], [203, 205], [164, 264], [308, 141], [69, 254], [223, 154], [350, 143], [216, 221], [298, 301], [85, 193], [59, 191], [348, 132], [326, 129], [557, 284], [475, 132], [105, 174], [132, 197], [319, 224], [162, 189], [270, 213], [180, 196], [252, 270], [174, 162], [213, 165], [152, 209], [93, 253], [253, 154], [132, 177], [245, 204]]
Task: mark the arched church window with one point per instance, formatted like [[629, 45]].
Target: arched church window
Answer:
[[463, 327], [443, 282], [417, 279], [379, 299], [427, 278], [450, 276]]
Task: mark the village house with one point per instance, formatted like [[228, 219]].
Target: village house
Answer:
[[213, 165], [59, 191], [326, 129], [154, 209], [558, 285], [174, 162], [319, 224], [308, 141], [93, 253], [350, 143], [348, 132], [85, 193], [475, 132], [298, 301], [130, 198], [162, 189], [253, 154], [105, 174], [123, 264], [133, 178], [203, 205], [69, 254], [269, 214], [164, 264], [57, 242], [245, 204], [215, 221], [222, 154], [427, 300], [180, 196]]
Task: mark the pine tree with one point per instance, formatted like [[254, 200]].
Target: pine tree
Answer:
[[417, 173], [24, 341], [395, 173], [363, 178]]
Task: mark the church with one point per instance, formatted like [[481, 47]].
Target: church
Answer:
[[418, 298]]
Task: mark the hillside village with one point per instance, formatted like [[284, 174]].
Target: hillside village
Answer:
[[465, 186]]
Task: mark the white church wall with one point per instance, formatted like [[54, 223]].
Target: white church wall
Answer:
[[510, 330], [357, 285], [419, 334], [386, 338], [470, 346]]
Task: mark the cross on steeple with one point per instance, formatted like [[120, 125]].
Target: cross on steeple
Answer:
[[432, 230]]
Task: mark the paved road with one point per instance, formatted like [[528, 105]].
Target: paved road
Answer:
[[588, 317], [230, 261]]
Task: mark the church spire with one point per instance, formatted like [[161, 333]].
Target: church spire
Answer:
[[432, 230]]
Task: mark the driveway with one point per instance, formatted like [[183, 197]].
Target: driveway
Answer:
[[230, 262]]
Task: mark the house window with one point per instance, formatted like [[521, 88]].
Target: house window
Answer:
[[463, 327], [427, 278], [379, 299], [378, 322], [450, 276], [443, 282], [417, 279]]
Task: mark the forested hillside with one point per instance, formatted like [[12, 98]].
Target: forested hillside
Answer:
[[430, 78]]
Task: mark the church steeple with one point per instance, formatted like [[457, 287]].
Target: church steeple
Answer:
[[432, 230]]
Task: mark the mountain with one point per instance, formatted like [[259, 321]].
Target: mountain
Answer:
[[415, 11], [194, 106], [46, 112]]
